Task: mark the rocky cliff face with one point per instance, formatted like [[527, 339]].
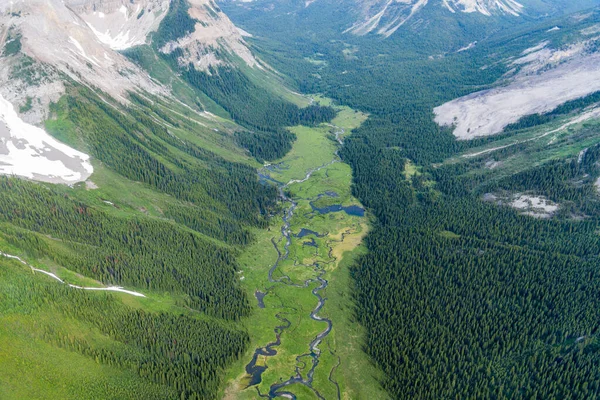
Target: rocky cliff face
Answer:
[[485, 7], [56, 45], [80, 40], [559, 67], [121, 24], [213, 32], [46, 45]]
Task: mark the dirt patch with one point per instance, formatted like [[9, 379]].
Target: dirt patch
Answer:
[[347, 240], [531, 205]]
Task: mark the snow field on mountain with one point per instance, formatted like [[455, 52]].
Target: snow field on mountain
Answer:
[[28, 151]]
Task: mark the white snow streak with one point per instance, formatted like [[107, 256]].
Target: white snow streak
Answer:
[[53, 276], [121, 41], [467, 47], [387, 16], [81, 50]]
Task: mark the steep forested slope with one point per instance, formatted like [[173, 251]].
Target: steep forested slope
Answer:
[[162, 196], [173, 355]]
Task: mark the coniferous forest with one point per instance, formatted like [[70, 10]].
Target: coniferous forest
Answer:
[[181, 356]]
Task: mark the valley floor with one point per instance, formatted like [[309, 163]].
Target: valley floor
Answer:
[[304, 340]]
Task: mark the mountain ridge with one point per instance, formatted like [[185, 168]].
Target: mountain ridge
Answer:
[[386, 17]]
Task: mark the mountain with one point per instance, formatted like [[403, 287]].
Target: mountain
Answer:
[[213, 33], [385, 18], [121, 24], [124, 24], [486, 7], [46, 47], [178, 222], [56, 45], [51, 46], [560, 65]]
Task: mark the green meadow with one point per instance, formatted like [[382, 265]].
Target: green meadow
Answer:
[[330, 250]]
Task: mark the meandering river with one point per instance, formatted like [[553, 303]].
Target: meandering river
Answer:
[[301, 376]]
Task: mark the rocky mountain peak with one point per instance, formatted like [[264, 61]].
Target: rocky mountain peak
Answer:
[[385, 17]]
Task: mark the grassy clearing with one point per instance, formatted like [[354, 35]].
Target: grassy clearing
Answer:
[[313, 148], [334, 179], [449, 235], [349, 119], [411, 170], [321, 100]]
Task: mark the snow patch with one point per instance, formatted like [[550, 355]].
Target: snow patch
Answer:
[[53, 276], [78, 45], [387, 16], [581, 155], [467, 47], [28, 151], [121, 41], [448, 6], [110, 289], [81, 50], [64, 49], [120, 29]]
